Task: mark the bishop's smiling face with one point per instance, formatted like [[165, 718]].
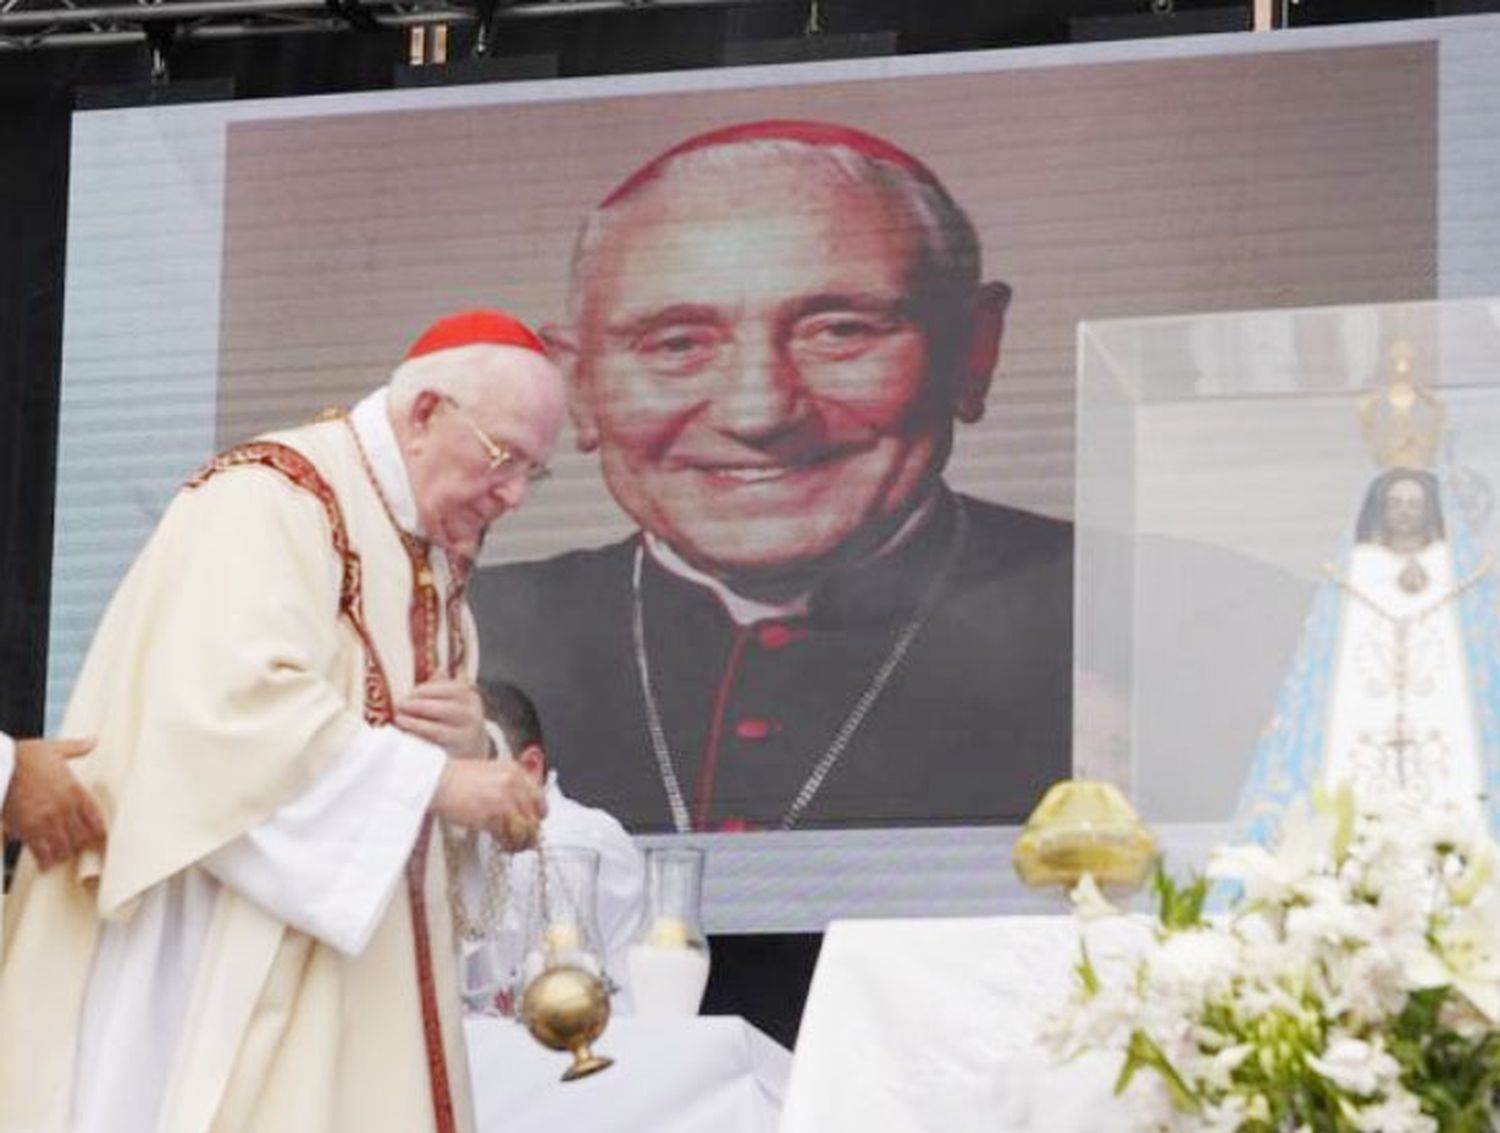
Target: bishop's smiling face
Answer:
[[751, 367]]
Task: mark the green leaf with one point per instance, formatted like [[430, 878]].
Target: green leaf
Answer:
[[1087, 974], [1143, 1052], [1343, 809], [1179, 906]]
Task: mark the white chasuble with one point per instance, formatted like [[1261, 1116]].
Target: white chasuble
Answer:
[[228, 697], [1401, 724]]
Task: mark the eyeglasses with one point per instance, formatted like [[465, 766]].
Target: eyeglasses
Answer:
[[504, 461]]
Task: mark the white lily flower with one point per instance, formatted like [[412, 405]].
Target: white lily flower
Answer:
[[1399, 1112], [1468, 947], [1362, 1068]]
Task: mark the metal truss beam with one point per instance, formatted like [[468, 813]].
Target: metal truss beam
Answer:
[[34, 24]]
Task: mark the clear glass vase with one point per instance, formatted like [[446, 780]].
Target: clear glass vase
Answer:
[[668, 961], [562, 923], [488, 970]]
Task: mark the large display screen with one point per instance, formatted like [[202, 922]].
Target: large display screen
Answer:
[[801, 585]]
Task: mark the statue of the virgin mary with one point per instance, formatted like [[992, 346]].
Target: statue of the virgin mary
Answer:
[[1395, 689]]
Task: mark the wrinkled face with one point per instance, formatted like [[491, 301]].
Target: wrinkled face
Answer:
[[459, 486], [752, 369], [1406, 509]]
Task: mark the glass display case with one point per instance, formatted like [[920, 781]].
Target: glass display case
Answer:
[[1223, 463]]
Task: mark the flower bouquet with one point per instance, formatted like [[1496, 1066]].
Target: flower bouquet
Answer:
[[1352, 983]]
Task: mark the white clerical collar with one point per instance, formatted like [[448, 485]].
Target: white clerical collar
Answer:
[[742, 611], [372, 424], [747, 611]]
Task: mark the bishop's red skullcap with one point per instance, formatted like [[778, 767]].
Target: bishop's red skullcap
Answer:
[[472, 328], [776, 129]]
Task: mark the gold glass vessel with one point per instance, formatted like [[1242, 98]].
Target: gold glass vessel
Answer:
[[1085, 827]]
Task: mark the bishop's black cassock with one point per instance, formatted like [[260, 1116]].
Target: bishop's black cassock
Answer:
[[971, 726]]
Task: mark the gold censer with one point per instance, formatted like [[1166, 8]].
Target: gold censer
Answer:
[[567, 1008]]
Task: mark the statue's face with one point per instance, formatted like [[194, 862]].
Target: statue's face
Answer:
[[1405, 509]]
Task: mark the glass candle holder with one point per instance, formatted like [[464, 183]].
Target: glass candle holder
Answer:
[[668, 961]]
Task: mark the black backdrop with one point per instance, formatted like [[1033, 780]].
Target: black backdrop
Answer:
[[762, 977]]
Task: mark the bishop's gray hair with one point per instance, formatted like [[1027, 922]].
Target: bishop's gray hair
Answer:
[[949, 263]]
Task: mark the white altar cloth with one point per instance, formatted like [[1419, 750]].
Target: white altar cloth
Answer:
[[711, 1074], [930, 1025]]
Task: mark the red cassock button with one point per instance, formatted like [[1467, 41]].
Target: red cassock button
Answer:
[[775, 635], [753, 728]]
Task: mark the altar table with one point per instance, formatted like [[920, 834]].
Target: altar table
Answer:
[[931, 1025], [711, 1074]]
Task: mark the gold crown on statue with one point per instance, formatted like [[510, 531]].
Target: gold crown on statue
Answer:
[[1402, 422]]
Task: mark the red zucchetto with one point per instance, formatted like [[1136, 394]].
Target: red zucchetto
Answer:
[[809, 133], [474, 328]]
